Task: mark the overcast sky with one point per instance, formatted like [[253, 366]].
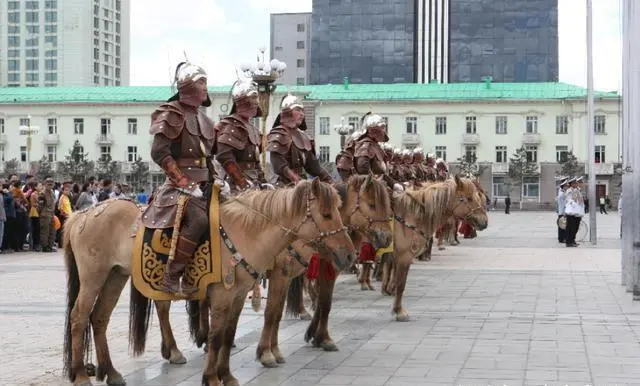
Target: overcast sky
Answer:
[[222, 34]]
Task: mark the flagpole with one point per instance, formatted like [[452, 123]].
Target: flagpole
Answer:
[[593, 234]]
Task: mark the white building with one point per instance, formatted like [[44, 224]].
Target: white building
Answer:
[[488, 120], [291, 43], [64, 42]]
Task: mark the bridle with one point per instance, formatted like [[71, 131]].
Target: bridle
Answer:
[[368, 229]]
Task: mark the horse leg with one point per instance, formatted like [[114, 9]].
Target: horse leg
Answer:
[[362, 279], [321, 337], [100, 317], [427, 255], [219, 308], [278, 285], [402, 270], [312, 291], [368, 277], [256, 297], [168, 347], [386, 275], [79, 321], [203, 326], [224, 370]]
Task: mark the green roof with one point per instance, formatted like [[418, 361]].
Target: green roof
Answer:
[[338, 92]]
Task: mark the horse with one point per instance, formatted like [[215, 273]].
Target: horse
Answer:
[[98, 248], [366, 211], [417, 214], [259, 225]]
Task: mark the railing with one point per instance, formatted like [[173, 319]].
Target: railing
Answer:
[[531, 138], [499, 168], [470, 139], [51, 139], [601, 169], [411, 139], [104, 139]]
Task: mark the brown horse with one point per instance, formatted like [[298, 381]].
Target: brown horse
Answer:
[[366, 211], [417, 214], [259, 224]]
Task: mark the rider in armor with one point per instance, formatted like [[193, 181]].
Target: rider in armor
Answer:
[[397, 171], [418, 167], [183, 141], [406, 166], [442, 170], [344, 159], [291, 151], [239, 142], [430, 167]]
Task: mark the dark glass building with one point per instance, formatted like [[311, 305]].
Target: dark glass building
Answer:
[[369, 41], [510, 40]]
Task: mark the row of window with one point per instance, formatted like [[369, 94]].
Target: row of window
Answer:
[[50, 41], [502, 155], [32, 64], [51, 153], [501, 124], [31, 53], [530, 187], [78, 125], [32, 17], [32, 29], [13, 5]]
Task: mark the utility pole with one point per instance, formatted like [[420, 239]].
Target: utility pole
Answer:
[[593, 234]]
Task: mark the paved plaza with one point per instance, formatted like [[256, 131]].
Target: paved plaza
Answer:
[[512, 307]]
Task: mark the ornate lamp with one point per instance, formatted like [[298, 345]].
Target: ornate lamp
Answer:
[[265, 75], [344, 130]]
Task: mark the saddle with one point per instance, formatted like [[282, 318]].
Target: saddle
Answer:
[[152, 248]]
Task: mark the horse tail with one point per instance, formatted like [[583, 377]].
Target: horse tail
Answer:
[[294, 296], [193, 310], [73, 289], [139, 318]]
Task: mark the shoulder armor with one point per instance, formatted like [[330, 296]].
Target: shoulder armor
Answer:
[[207, 126], [230, 134], [168, 119], [364, 148], [279, 140]]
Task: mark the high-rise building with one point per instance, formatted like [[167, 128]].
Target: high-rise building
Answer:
[[64, 43], [290, 40], [406, 41], [369, 41]]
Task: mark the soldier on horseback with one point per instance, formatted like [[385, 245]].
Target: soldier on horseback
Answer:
[[291, 151], [184, 138], [429, 167], [344, 159]]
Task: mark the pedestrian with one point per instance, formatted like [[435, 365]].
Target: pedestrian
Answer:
[[34, 215], [620, 213], [562, 232], [507, 204], [574, 211], [85, 199], [142, 197], [47, 208], [602, 202], [3, 218]]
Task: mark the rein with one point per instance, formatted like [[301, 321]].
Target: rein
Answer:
[[370, 220]]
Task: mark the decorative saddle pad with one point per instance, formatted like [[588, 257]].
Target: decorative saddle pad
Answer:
[[151, 250]]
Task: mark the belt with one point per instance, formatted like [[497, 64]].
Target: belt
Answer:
[[197, 162]]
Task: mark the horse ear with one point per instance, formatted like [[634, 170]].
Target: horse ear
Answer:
[[458, 180], [315, 187]]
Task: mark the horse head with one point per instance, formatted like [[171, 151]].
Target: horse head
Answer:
[[469, 203]]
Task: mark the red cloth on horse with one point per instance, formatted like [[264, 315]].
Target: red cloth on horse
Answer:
[[313, 271], [440, 232], [367, 253], [466, 229]]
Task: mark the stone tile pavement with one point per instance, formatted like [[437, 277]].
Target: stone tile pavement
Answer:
[[512, 307]]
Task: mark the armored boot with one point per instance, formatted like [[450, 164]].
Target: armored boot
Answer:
[[175, 268]]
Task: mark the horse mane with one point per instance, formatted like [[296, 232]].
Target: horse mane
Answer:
[[376, 189], [256, 210]]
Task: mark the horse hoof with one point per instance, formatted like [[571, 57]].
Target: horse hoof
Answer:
[[329, 346], [177, 358], [305, 316], [402, 318], [278, 355], [90, 368], [268, 360], [116, 382], [231, 382], [371, 288], [364, 287], [280, 359]]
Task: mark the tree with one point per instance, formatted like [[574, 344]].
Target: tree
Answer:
[[45, 169], [11, 167], [571, 167], [520, 167], [107, 168], [76, 164], [469, 167], [139, 177]]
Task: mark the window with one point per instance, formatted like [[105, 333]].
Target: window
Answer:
[[300, 27], [471, 125], [31, 53], [441, 152], [600, 156], [52, 40], [2, 153], [501, 154], [599, 124], [562, 153], [132, 126], [500, 187], [51, 76], [25, 122], [300, 81], [354, 122], [50, 29], [325, 125], [278, 48], [51, 53], [300, 44], [23, 154], [1, 125], [32, 42], [532, 153], [13, 53], [532, 124], [156, 180], [13, 77], [13, 5], [50, 4], [52, 152], [52, 125], [562, 124], [441, 125], [51, 64], [32, 17], [13, 65], [51, 16], [324, 154], [33, 29], [531, 187], [105, 153], [300, 63], [105, 126], [13, 41], [501, 125], [78, 126], [132, 153], [13, 17], [470, 154], [412, 125], [31, 4]]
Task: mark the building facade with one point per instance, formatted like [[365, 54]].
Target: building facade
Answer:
[[486, 122], [64, 43], [290, 41], [509, 40], [366, 41]]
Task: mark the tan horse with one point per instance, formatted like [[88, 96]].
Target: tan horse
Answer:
[[259, 225], [417, 214], [366, 211], [98, 246]]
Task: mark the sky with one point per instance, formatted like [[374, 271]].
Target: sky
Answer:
[[223, 34]]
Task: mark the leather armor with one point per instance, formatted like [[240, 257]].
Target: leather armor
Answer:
[[237, 149]]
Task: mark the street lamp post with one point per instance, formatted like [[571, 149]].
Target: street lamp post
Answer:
[[28, 130], [265, 76], [343, 130]]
